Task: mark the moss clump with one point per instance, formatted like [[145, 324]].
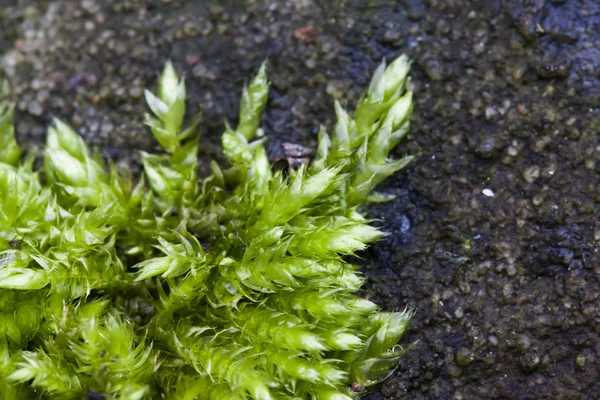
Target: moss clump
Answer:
[[235, 286]]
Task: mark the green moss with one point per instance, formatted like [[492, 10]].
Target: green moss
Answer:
[[234, 286]]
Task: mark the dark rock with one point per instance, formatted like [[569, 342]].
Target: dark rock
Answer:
[[527, 25], [487, 147], [529, 361], [434, 69], [554, 69], [93, 395], [392, 36], [464, 356]]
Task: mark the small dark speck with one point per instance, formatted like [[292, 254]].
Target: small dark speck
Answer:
[[77, 80], [93, 395], [14, 244]]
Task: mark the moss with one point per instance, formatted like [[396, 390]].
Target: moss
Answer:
[[234, 286]]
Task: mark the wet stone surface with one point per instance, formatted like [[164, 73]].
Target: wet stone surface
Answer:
[[494, 233]]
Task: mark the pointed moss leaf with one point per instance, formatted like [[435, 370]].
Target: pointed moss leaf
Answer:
[[394, 77], [62, 136], [168, 84], [400, 111], [328, 394], [253, 101], [168, 108], [22, 279], [9, 149], [340, 144], [158, 107], [376, 88], [389, 329]]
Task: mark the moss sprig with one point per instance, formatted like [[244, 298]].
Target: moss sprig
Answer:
[[237, 285]]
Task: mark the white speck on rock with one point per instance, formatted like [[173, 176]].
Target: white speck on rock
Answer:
[[488, 192]]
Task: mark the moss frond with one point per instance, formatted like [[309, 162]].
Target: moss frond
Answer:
[[234, 286]]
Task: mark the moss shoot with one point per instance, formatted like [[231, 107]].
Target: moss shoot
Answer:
[[233, 286]]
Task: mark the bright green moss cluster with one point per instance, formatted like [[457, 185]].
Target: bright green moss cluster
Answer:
[[235, 286]]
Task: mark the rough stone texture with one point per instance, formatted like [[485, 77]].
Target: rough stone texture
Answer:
[[495, 229]]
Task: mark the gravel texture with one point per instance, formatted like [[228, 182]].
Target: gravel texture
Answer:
[[494, 233]]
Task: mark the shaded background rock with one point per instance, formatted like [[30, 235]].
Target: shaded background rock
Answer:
[[494, 231]]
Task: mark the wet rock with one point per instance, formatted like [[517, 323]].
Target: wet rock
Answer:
[[523, 342], [94, 395], [392, 37], [487, 147], [310, 63], [464, 356], [191, 29], [527, 25], [531, 174], [490, 359], [529, 361], [306, 34], [554, 69], [337, 88], [490, 113], [416, 9], [35, 108], [202, 71], [434, 69], [136, 92], [562, 29]]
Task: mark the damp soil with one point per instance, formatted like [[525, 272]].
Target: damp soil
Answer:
[[494, 231]]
